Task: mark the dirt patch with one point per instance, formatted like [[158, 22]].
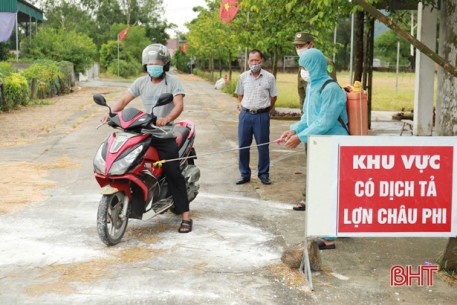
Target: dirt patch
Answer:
[[148, 235], [62, 277], [22, 183], [27, 124]]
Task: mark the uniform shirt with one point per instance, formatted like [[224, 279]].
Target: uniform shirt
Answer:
[[150, 93], [256, 91]]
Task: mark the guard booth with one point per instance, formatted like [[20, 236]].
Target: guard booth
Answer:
[[18, 16]]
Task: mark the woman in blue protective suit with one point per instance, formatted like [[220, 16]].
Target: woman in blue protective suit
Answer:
[[324, 110]]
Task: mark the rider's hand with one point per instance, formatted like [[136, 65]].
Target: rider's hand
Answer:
[[162, 121], [292, 142], [286, 135], [105, 118]]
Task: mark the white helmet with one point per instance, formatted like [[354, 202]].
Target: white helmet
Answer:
[[154, 52]]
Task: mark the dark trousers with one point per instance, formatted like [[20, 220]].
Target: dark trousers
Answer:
[[259, 126], [168, 149]]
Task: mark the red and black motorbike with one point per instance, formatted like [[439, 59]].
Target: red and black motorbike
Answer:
[[125, 166]]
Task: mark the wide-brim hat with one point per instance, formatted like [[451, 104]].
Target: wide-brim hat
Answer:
[[302, 38]]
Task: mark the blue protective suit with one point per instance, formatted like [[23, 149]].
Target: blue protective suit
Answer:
[[320, 110]]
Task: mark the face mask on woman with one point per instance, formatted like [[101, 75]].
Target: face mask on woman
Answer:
[[155, 71], [305, 75]]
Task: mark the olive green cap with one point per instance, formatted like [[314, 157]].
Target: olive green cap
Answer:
[[303, 37]]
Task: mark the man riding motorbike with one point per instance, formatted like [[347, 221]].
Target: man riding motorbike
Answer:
[[156, 62]]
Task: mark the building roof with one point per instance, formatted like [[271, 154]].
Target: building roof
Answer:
[[25, 10]]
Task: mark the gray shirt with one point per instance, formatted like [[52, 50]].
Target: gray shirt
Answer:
[[256, 91], [150, 93]]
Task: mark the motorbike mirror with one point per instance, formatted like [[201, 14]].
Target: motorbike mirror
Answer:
[[164, 98], [100, 100]]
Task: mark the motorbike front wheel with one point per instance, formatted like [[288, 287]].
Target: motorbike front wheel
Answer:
[[112, 218]]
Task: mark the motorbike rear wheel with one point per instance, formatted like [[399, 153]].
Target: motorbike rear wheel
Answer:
[[112, 218]]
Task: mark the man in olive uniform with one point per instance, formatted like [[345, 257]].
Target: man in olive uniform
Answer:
[[304, 41]]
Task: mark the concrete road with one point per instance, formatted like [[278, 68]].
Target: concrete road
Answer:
[[51, 254]]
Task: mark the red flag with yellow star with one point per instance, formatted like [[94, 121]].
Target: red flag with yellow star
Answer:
[[123, 33], [184, 47], [228, 10]]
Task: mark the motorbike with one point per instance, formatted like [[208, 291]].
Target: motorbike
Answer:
[[128, 169]]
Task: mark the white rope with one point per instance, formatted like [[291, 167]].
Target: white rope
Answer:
[[218, 152]]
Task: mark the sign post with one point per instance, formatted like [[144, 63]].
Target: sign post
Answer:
[[381, 186]]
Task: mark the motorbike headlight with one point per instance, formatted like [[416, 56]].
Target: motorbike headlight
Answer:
[[99, 160], [120, 166]]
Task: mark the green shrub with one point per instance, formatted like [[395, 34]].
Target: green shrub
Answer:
[[5, 69], [230, 87], [126, 69], [181, 61], [17, 91], [4, 51], [61, 45], [109, 53], [47, 75], [67, 79]]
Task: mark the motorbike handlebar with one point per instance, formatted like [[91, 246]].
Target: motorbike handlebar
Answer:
[[110, 123], [153, 119]]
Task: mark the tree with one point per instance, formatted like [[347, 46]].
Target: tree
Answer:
[[61, 45], [386, 48], [141, 11], [273, 23], [181, 61], [68, 15], [135, 41], [95, 17], [343, 46], [322, 17], [4, 51], [130, 51], [147, 13], [201, 38], [446, 105], [209, 38], [359, 54], [106, 13]]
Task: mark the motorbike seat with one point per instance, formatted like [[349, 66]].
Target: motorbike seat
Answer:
[[181, 133]]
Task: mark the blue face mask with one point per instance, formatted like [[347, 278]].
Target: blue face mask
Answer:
[[155, 71]]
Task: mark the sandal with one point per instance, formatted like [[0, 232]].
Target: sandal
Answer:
[[186, 226], [323, 246], [301, 206]]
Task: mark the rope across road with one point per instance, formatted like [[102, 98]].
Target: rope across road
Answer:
[[161, 162]]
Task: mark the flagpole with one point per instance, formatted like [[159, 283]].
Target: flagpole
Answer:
[[246, 48], [17, 39], [117, 55]]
